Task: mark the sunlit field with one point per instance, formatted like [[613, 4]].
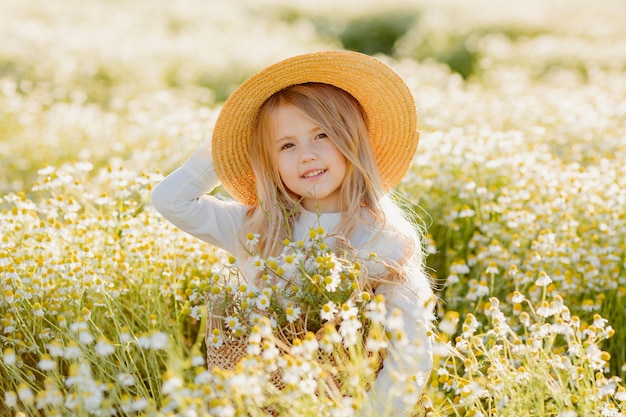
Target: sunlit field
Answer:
[[519, 181]]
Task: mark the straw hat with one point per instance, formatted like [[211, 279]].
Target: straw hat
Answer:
[[385, 98]]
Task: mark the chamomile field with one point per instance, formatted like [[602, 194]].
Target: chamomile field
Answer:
[[519, 182]]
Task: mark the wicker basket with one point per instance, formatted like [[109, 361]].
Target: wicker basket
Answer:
[[231, 351], [234, 349], [227, 355]]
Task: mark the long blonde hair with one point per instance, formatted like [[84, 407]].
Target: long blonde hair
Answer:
[[362, 194]]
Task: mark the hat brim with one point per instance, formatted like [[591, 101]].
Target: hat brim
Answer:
[[385, 98]]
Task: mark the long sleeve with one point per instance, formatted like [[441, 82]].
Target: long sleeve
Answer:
[[408, 363], [182, 199]]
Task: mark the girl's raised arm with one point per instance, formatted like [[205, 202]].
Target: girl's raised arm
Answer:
[[182, 199]]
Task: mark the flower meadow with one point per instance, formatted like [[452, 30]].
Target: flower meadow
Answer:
[[519, 183]]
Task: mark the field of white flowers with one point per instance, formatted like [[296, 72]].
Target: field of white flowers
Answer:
[[519, 178]]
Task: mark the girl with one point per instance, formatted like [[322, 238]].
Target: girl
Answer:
[[317, 139]]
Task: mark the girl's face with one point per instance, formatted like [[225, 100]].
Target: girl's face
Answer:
[[309, 163]]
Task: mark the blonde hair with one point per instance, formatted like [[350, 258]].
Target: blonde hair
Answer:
[[362, 194]]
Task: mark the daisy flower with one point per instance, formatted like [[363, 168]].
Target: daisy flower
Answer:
[[328, 311], [252, 239], [292, 313]]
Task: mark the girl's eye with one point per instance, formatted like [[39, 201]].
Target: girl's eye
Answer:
[[286, 146], [321, 136]]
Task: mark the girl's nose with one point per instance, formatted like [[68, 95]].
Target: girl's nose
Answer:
[[307, 153]]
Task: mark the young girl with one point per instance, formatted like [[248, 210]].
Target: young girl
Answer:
[[317, 139]]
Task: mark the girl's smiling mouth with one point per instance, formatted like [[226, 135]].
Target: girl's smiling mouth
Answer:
[[314, 173]]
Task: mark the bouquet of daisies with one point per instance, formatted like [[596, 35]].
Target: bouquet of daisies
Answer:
[[309, 295]]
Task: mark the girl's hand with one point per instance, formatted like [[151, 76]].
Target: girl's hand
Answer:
[[204, 151], [206, 144]]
